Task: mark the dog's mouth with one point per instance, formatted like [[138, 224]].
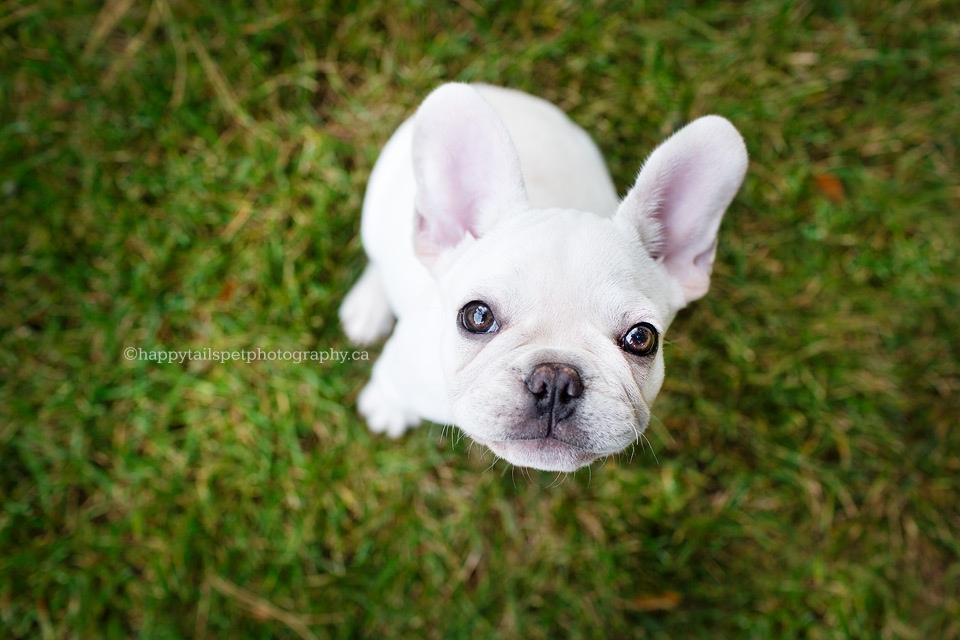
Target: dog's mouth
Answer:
[[545, 454]]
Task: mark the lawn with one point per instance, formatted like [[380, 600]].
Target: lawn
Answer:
[[178, 175]]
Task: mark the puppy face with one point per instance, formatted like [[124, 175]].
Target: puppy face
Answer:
[[554, 323], [554, 319]]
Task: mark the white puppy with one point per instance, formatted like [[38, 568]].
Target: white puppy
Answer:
[[530, 303]]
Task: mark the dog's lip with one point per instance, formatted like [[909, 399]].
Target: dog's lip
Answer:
[[544, 439], [548, 453]]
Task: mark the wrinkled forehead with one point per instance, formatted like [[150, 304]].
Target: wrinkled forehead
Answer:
[[557, 261]]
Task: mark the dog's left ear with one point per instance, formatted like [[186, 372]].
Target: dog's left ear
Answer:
[[466, 168], [679, 198]]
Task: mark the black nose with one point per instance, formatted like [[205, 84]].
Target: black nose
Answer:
[[555, 389]]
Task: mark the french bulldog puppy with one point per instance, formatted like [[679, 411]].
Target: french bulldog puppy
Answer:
[[530, 302]]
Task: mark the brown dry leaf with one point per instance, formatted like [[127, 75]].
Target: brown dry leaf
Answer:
[[226, 291], [830, 186], [657, 602]]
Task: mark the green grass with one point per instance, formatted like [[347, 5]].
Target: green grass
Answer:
[[175, 175]]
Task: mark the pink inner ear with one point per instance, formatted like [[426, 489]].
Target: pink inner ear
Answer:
[[680, 196], [466, 168], [447, 231], [684, 197], [449, 195], [704, 261]]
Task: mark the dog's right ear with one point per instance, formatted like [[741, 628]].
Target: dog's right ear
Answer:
[[466, 167]]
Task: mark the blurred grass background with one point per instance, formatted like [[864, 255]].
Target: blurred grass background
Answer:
[[185, 175]]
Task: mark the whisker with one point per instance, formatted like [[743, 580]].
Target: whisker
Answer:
[[651, 449], [555, 482], [526, 474], [492, 464]]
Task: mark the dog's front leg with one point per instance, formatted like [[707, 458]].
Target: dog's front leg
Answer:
[[407, 383]]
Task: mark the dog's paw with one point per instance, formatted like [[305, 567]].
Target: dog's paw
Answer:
[[365, 314], [383, 413]]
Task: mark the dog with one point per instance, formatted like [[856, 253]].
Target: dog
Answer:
[[531, 303]]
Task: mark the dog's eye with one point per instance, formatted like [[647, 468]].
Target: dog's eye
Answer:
[[476, 317], [641, 340]]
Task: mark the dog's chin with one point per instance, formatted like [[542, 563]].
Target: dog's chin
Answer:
[[545, 454]]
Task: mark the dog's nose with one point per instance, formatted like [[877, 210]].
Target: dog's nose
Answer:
[[555, 389]]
